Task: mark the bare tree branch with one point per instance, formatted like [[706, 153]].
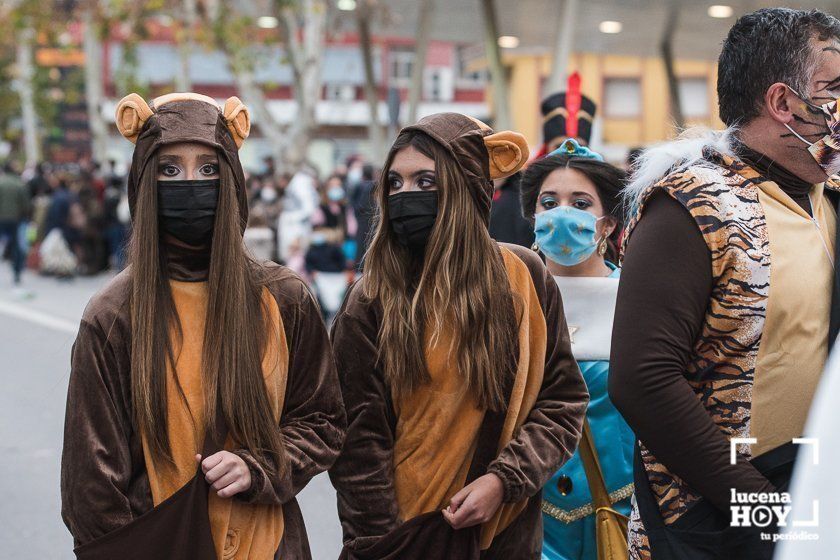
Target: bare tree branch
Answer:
[[363, 14], [667, 49], [303, 26]]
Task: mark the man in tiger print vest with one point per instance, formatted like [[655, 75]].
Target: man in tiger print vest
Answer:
[[724, 317]]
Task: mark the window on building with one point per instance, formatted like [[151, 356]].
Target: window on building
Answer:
[[339, 92], [622, 97], [694, 97], [438, 83], [434, 86], [400, 65], [467, 57]]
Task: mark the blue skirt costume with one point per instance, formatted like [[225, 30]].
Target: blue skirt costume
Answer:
[[568, 516]]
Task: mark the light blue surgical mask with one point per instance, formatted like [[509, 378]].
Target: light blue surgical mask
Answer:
[[335, 194], [566, 235]]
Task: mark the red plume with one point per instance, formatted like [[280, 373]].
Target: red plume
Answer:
[[573, 102]]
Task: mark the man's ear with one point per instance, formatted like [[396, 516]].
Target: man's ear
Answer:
[[781, 103], [238, 119], [132, 113], [508, 152]]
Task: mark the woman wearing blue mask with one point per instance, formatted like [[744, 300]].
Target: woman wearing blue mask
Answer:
[[335, 215], [572, 198]]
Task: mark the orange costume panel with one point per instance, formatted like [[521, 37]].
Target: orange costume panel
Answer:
[[438, 424], [239, 530]]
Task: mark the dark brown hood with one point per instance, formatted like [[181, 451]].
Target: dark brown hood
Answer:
[[184, 118], [481, 154]]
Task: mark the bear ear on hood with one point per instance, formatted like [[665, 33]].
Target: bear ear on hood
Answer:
[[132, 113], [508, 152], [238, 119]]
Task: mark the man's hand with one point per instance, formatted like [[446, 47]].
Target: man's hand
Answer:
[[226, 472], [475, 503]]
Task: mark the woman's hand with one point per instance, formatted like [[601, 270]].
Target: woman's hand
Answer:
[[226, 472], [476, 502]]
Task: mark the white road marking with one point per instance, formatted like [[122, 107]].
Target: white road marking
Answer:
[[38, 317]]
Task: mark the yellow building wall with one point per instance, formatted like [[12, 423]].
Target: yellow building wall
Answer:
[[528, 73]]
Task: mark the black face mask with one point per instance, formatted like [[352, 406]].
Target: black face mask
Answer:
[[412, 216], [187, 209]]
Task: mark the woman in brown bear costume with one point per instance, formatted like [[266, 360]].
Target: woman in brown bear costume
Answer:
[[203, 394], [462, 394]]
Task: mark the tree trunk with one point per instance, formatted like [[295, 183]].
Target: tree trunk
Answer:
[[424, 24], [304, 27], [371, 87], [254, 97], [498, 73], [94, 93], [563, 48], [26, 90], [667, 49], [183, 81], [307, 56]]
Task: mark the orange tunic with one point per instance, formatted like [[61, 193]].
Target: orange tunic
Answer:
[[438, 424], [239, 530]]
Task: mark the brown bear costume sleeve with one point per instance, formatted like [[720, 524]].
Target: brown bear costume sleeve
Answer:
[[103, 481], [363, 475], [313, 421]]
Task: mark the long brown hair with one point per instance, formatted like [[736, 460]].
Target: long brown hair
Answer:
[[462, 282], [233, 342]]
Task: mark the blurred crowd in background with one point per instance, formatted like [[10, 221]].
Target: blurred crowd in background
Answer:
[[65, 221]]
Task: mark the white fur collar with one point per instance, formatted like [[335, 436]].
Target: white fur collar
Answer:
[[683, 152]]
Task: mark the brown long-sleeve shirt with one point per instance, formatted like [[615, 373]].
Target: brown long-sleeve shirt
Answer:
[[666, 281]]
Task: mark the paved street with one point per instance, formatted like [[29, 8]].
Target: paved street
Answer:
[[35, 340]]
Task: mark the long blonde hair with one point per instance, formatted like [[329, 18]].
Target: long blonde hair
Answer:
[[461, 281]]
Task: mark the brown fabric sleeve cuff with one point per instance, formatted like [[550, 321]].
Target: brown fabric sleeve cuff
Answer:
[[258, 478], [512, 490], [261, 491]]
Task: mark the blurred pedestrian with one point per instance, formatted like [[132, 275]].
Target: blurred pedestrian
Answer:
[[259, 238], [14, 213], [364, 210], [332, 209], [354, 172], [567, 114], [58, 213], [115, 229], [93, 224], [327, 267], [38, 184], [506, 221], [336, 213], [294, 225]]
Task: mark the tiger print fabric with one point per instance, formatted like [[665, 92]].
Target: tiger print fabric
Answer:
[[725, 204]]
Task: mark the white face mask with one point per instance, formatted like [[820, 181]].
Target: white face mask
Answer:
[[354, 175], [268, 195], [826, 150]]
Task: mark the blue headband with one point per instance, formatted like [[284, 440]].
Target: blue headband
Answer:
[[572, 149]]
